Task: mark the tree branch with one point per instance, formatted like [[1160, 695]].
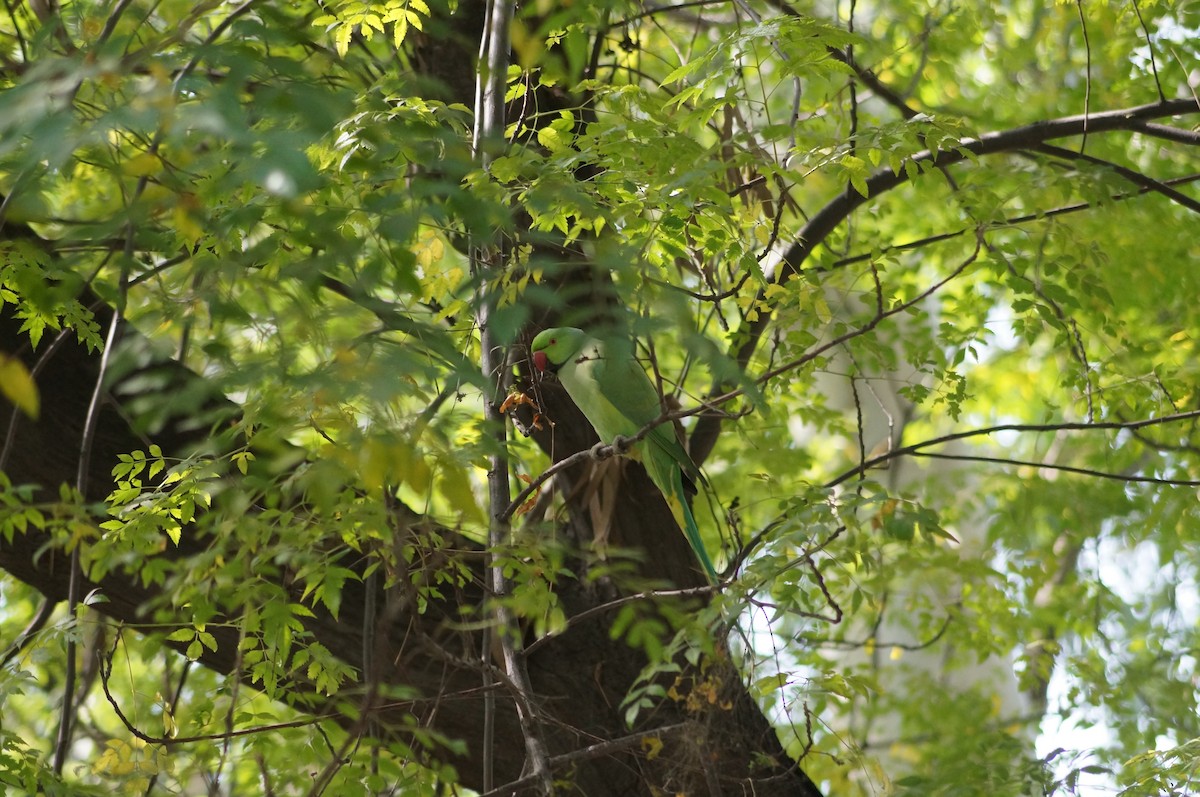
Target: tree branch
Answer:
[[1135, 177], [810, 355], [1167, 133], [1098, 474], [1011, 221], [1013, 427], [837, 210]]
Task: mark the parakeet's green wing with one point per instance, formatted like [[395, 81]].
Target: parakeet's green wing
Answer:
[[617, 396], [610, 387], [631, 391]]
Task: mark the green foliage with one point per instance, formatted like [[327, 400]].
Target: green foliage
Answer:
[[283, 196], [42, 294], [351, 17], [1166, 772]]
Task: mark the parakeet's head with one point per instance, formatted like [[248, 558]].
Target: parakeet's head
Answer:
[[554, 347]]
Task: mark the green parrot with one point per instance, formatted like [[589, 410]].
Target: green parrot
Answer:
[[605, 380]]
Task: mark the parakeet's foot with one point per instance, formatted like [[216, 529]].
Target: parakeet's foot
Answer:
[[619, 446]]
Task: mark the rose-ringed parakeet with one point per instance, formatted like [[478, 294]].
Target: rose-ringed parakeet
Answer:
[[604, 379]]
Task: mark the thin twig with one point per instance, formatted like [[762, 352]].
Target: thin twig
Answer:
[[40, 618], [106, 667], [812, 354], [846, 644], [214, 786], [110, 24], [1135, 177], [603, 608], [17, 31], [1168, 133], [1066, 426], [82, 485], [1149, 46], [1087, 81], [1014, 221], [176, 697], [1092, 472], [835, 212]]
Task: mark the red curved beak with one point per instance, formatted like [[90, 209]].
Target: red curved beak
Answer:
[[540, 361]]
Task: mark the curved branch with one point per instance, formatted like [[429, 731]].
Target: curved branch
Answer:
[[591, 751], [915, 448], [828, 218], [616, 603], [1011, 221], [880, 316], [1133, 176], [837, 210], [31, 630], [1098, 474]]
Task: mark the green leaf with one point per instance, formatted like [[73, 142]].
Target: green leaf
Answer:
[[682, 71]]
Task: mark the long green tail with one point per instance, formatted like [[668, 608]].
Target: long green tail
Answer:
[[692, 530]]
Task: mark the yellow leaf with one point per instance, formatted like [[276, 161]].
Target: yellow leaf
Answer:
[[551, 139], [80, 531], [143, 165], [17, 385], [341, 39], [653, 746], [242, 458], [185, 223], [399, 31], [429, 251]]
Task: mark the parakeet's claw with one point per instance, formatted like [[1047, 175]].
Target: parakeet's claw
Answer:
[[620, 446]]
